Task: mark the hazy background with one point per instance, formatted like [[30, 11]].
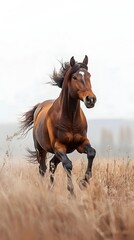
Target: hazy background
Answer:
[[34, 35], [110, 137]]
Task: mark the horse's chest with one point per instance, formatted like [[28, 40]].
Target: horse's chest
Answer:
[[70, 135], [70, 138]]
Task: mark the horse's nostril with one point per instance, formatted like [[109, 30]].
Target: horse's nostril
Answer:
[[88, 99]]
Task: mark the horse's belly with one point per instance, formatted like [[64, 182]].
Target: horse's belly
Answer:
[[71, 148]]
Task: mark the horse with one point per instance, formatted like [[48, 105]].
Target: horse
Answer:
[[60, 126]]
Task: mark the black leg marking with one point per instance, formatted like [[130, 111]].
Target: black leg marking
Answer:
[[42, 167], [42, 162], [52, 167], [90, 155], [88, 174], [41, 157], [67, 164]]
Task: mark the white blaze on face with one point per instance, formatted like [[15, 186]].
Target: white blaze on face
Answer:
[[82, 73]]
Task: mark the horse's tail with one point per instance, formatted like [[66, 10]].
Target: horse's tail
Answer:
[[27, 120], [32, 156]]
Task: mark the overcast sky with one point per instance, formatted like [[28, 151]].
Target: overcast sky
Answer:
[[34, 35]]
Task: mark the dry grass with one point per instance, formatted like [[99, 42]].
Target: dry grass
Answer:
[[30, 211]]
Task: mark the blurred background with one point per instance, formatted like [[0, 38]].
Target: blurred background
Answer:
[[36, 35]]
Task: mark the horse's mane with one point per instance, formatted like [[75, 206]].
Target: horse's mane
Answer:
[[58, 77]]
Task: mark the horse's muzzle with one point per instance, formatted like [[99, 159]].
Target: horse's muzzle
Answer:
[[90, 101]]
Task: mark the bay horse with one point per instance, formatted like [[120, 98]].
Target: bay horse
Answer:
[[60, 126]]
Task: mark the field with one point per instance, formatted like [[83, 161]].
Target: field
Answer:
[[30, 210]]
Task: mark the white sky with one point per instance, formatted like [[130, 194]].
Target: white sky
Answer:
[[34, 35]]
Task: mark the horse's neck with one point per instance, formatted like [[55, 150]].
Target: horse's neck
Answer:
[[70, 107]]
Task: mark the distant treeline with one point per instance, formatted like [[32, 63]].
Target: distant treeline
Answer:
[[120, 143], [114, 137]]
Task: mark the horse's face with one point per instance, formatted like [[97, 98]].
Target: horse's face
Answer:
[[80, 84]]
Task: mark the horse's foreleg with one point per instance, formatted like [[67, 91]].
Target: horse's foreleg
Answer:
[[52, 167], [86, 148], [90, 155], [67, 164]]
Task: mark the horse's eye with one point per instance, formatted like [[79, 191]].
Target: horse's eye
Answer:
[[75, 78]]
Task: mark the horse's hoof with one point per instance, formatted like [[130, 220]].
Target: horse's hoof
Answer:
[[83, 184], [88, 176], [42, 173], [51, 179], [72, 195], [51, 184]]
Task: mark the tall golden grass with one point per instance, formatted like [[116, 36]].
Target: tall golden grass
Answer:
[[29, 210]]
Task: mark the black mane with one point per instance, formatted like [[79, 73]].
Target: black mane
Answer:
[[58, 77]]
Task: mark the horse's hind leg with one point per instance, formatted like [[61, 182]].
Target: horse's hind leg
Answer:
[[41, 157], [42, 166], [52, 167]]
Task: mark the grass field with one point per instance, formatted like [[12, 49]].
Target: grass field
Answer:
[[29, 210]]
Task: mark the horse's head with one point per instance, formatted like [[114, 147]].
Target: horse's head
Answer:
[[79, 82]]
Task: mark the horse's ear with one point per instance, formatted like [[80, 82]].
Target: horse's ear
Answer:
[[85, 61], [72, 61]]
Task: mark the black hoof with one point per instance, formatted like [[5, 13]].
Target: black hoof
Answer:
[[72, 195], [70, 188], [83, 184], [42, 173], [51, 179], [87, 177]]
